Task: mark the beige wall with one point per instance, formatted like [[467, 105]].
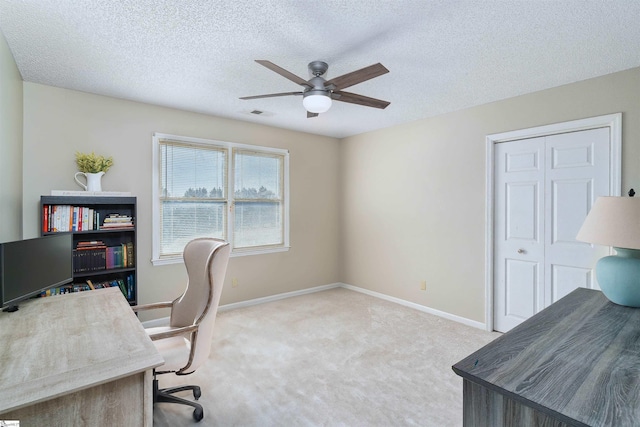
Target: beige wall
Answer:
[[10, 146], [413, 196], [59, 122], [382, 211]]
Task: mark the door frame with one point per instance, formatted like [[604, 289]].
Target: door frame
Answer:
[[612, 121]]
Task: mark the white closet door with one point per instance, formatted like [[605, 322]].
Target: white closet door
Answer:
[[544, 188], [519, 231], [577, 173]]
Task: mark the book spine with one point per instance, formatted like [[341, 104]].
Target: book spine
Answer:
[[45, 218], [130, 287], [85, 219], [61, 218], [122, 287], [119, 254], [123, 249], [76, 261], [130, 260], [109, 252], [74, 219], [55, 218], [102, 257]]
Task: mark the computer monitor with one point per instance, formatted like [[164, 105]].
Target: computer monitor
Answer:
[[27, 267]]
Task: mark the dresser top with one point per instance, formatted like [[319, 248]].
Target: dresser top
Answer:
[[61, 344], [577, 360]]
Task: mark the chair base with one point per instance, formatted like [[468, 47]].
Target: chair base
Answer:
[[165, 395]]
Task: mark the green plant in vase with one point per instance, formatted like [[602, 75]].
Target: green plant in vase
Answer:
[[92, 167], [92, 163]]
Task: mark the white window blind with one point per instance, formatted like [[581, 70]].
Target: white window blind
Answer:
[[215, 189], [193, 201]]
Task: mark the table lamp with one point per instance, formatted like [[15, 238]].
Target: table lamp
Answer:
[[615, 221]]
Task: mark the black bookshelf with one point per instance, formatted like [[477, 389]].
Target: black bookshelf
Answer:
[[112, 261]]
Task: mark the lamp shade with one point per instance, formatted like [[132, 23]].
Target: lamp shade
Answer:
[[613, 221], [317, 103]]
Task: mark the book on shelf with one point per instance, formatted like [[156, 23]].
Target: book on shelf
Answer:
[[95, 255], [66, 289], [114, 257], [116, 217], [45, 218], [112, 226], [117, 221], [129, 257], [62, 218], [126, 286], [89, 259], [90, 244]]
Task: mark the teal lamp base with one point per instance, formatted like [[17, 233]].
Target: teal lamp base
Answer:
[[619, 277]]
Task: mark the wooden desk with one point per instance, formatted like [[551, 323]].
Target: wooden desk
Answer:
[[76, 359], [576, 363]]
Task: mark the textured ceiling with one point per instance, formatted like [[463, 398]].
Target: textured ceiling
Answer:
[[198, 55]]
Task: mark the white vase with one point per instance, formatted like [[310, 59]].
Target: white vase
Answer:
[[94, 181]]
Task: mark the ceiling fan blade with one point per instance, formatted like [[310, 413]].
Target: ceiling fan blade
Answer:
[[284, 73], [354, 98], [358, 76], [272, 95], [310, 115]]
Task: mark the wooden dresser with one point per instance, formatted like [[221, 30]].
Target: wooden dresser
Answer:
[[576, 363]]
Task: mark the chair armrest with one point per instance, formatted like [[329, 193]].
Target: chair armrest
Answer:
[[173, 332], [152, 306]]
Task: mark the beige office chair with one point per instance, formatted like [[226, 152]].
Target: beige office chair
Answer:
[[185, 344]]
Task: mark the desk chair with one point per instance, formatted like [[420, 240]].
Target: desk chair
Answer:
[[185, 344]]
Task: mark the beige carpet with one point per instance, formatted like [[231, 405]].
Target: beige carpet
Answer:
[[332, 358]]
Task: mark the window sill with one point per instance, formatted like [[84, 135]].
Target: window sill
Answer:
[[237, 253]]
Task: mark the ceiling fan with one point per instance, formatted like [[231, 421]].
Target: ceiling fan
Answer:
[[318, 92]]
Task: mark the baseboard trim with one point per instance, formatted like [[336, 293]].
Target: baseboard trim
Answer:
[[277, 297], [418, 307], [165, 320]]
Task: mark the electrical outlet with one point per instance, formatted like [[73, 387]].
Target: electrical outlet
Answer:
[[423, 285], [234, 282]]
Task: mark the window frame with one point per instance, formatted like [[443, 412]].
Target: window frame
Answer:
[[230, 148]]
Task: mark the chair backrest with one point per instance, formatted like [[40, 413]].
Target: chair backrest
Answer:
[[206, 262]]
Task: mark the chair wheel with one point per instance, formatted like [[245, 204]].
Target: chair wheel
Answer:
[[197, 393], [198, 414]]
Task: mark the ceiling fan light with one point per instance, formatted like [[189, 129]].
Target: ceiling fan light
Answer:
[[317, 103]]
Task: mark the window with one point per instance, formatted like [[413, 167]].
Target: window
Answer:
[[258, 199], [206, 188]]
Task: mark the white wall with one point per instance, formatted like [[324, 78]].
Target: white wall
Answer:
[[59, 122], [413, 196], [10, 146]]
